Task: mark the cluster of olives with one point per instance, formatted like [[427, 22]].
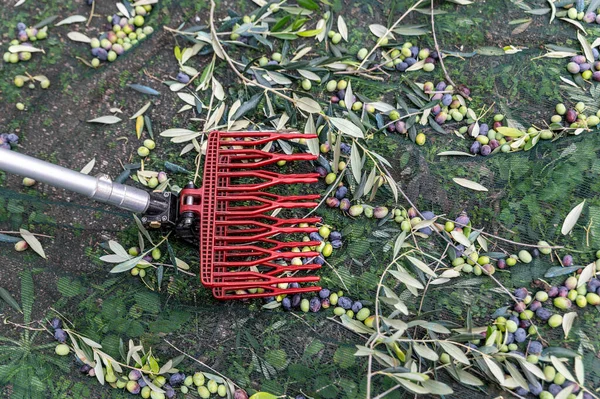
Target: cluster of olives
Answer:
[[136, 381], [8, 140], [576, 11], [402, 58], [574, 118], [125, 33], [20, 81], [325, 299], [579, 65], [145, 149], [25, 35], [140, 269]]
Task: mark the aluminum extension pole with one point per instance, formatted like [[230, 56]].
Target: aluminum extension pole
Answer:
[[99, 188]]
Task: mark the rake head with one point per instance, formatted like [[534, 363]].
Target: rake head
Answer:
[[241, 254]]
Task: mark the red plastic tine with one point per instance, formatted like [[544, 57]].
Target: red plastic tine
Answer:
[[229, 293], [267, 158], [271, 178], [237, 248]]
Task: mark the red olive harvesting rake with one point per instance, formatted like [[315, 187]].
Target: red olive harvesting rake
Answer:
[[231, 217]]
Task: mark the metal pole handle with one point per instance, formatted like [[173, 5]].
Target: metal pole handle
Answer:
[[99, 188]]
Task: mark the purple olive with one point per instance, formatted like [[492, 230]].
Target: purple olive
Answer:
[[240, 394], [321, 171], [567, 260], [475, 148], [334, 99], [56, 323], [436, 109], [494, 144], [336, 244], [441, 118], [553, 292], [401, 66], [589, 17], [391, 127], [573, 67], [446, 99], [183, 77], [410, 61], [356, 306], [286, 303], [60, 335], [596, 76], [535, 347], [401, 127], [341, 192], [521, 293], [176, 379], [535, 305], [520, 307], [345, 204], [501, 264], [332, 202], [578, 59], [296, 300], [84, 369], [462, 219], [440, 86], [102, 54], [341, 94], [21, 26], [486, 150], [571, 115], [315, 304], [484, 129], [563, 291]]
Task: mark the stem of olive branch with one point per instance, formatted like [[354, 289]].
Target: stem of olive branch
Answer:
[[437, 48], [388, 32], [217, 44], [201, 363], [16, 232]]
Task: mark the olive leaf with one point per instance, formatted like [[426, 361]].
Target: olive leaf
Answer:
[[78, 37], [71, 20], [143, 89], [565, 393], [4, 294], [347, 127], [579, 370], [561, 368], [342, 28], [587, 48], [107, 120], [457, 153], [469, 184], [308, 105], [572, 219], [141, 110], [88, 167], [587, 273], [567, 322], [356, 162], [33, 242], [18, 48]]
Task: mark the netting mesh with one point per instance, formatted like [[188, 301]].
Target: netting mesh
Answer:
[[529, 195]]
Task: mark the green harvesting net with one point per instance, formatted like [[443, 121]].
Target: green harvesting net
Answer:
[[455, 203]]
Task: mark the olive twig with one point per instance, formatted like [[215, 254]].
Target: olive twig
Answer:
[[91, 14], [437, 48]]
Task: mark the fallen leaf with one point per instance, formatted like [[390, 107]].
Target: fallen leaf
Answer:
[[572, 218], [469, 184]]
